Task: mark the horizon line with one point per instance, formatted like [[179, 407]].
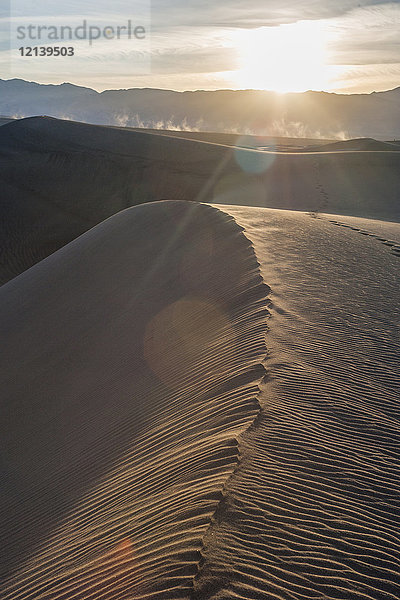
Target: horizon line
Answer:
[[203, 90]]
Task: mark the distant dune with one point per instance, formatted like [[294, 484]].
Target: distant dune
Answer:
[[130, 365], [358, 145], [60, 178], [5, 120], [281, 144], [245, 141]]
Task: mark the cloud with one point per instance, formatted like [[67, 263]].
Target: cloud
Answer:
[[77, 8], [191, 40], [374, 77], [196, 13], [253, 13], [368, 35], [189, 60]]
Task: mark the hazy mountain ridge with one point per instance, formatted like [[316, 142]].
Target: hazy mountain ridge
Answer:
[[310, 114]]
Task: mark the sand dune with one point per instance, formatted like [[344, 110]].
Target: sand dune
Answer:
[[384, 232], [5, 120], [246, 141], [131, 362], [358, 145], [60, 178], [282, 144], [313, 509]]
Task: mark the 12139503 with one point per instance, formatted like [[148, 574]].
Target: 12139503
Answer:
[[47, 51]]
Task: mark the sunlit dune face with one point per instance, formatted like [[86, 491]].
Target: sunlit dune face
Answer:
[[111, 575], [287, 58]]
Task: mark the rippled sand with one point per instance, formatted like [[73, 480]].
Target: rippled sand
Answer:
[[131, 363], [191, 410], [313, 510]]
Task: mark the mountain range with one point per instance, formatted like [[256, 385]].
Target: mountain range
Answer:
[[308, 114]]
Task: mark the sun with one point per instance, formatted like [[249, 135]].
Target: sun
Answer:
[[286, 58]]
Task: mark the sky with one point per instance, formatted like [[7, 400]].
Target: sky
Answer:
[[287, 46]]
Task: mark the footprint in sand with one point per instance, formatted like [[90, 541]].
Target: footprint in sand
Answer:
[[394, 246]]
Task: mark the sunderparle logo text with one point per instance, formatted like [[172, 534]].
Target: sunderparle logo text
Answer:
[[84, 31]]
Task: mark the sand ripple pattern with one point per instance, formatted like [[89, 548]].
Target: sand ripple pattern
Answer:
[[313, 510], [132, 362]]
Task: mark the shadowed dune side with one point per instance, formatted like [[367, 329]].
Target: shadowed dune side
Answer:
[[282, 144], [244, 140], [5, 120], [131, 363], [60, 178], [358, 144]]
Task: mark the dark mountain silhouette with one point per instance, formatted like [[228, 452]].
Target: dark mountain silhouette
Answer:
[[310, 114]]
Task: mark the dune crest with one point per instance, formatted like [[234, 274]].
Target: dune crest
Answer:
[[117, 439]]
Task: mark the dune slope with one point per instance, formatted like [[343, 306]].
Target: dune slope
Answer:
[[131, 363], [312, 512], [5, 120]]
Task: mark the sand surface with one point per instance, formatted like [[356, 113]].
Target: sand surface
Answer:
[[358, 145], [139, 457], [313, 510], [143, 462], [5, 120], [131, 362], [243, 140], [387, 233], [282, 144]]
